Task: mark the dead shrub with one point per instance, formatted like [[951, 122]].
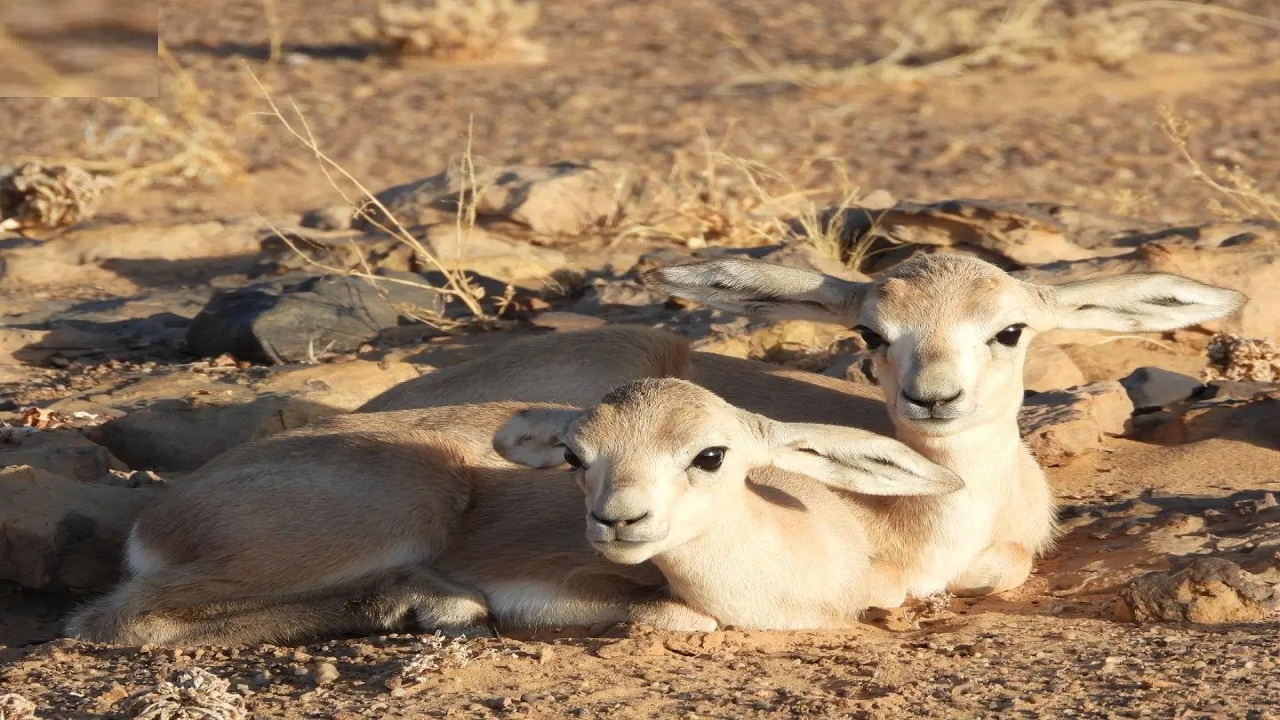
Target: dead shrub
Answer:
[[450, 29]]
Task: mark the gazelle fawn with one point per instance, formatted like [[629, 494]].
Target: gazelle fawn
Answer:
[[949, 336], [725, 503], [374, 522]]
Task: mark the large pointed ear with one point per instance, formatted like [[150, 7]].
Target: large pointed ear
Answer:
[[1142, 302], [857, 460], [758, 289], [535, 437]]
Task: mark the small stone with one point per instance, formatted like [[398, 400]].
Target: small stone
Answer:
[[325, 673]]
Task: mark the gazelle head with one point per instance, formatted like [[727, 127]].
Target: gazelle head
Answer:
[[949, 333], [660, 460]]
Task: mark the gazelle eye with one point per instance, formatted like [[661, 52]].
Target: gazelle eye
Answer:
[[872, 338], [1010, 336], [572, 459], [709, 460]]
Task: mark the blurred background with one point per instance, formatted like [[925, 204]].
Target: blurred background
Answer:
[[1053, 100], [95, 48]]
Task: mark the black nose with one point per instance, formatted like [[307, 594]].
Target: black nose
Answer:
[[617, 522], [931, 400]]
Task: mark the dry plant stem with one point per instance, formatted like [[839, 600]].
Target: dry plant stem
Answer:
[[366, 273], [1240, 191], [192, 135], [1190, 8], [275, 35], [457, 284]]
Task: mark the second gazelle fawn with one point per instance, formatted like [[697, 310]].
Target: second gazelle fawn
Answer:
[[371, 522], [949, 337]]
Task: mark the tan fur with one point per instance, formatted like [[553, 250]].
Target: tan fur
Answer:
[[759, 541], [940, 313], [372, 521], [364, 523]]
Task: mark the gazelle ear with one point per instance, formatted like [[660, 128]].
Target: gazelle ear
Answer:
[[758, 289], [535, 437], [857, 460], [1142, 302]]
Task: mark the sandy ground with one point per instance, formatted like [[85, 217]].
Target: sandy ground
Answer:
[[80, 48], [654, 85]]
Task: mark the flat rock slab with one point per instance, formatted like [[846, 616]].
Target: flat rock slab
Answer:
[[57, 533], [282, 323], [1070, 422]]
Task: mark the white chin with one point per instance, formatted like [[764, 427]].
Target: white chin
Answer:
[[626, 553], [933, 426]]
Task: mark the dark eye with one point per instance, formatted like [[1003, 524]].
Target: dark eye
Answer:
[[709, 460], [572, 458], [1010, 336], [872, 338]]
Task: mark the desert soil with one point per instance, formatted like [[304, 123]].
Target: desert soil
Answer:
[[651, 84], [99, 48]]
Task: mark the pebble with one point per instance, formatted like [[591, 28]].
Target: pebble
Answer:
[[325, 673]]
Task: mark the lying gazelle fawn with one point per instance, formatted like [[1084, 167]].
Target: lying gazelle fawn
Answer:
[[949, 336], [363, 522]]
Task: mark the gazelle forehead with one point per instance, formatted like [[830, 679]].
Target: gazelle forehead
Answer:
[[947, 291], [653, 413]]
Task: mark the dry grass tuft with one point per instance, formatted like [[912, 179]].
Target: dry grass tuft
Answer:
[[15, 707], [43, 197], [1236, 358], [176, 143], [189, 694], [1242, 198], [715, 198], [457, 287], [451, 29], [436, 654]]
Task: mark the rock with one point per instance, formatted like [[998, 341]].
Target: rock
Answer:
[[1253, 420], [183, 434], [64, 452], [1049, 368], [330, 217], [485, 253], [56, 533], [1206, 590], [1066, 423], [560, 198], [1150, 387], [1012, 232], [1223, 390], [280, 323], [854, 367], [324, 673], [471, 249]]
